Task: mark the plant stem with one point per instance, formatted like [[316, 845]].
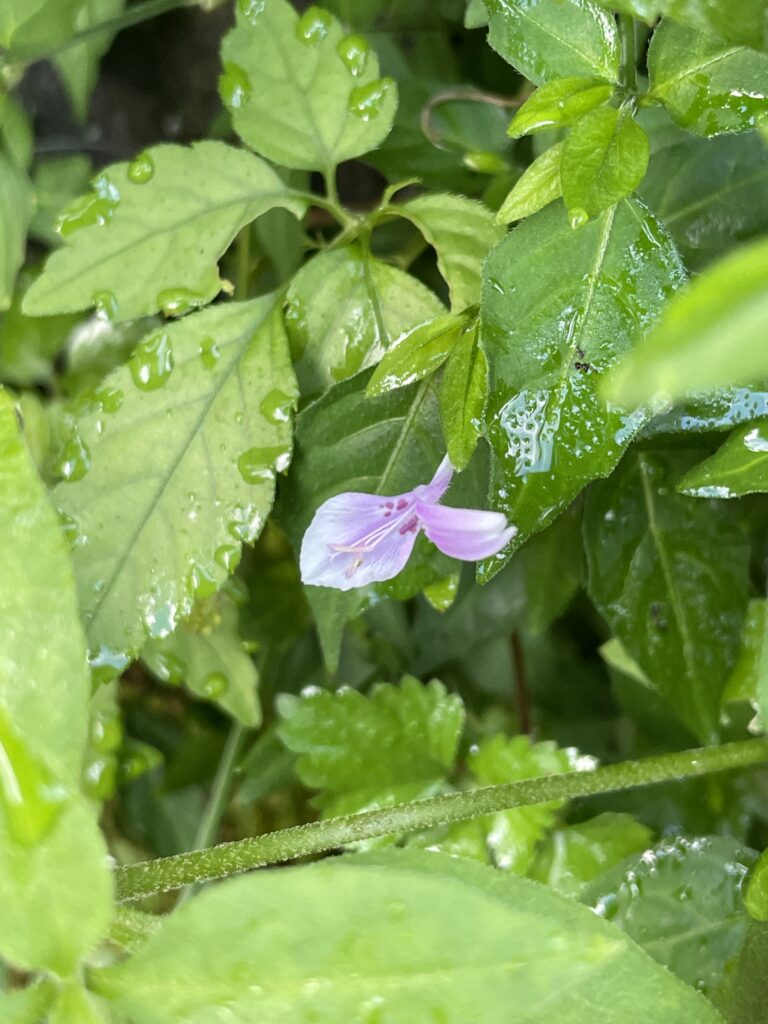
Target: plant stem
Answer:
[[137, 880], [131, 928], [628, 52]]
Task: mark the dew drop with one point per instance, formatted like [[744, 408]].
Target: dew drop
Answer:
[[168, 668], [106, 305], [577, 217], [100, 777], [109, 399], [354, 52], [106, 664], [485, 162], [30, 800], [251, 9], [228, 557], [367, 101], [75, 459], [234, 86], [313, 26], [141, 169], [152, 362], [106, 733], [92, 210], [258, 465], [200, 581], [209, 353], [133, 765], [276, 406], [214, 685], [178, 301]]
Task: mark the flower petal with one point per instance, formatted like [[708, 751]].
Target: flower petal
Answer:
[[355, 539], [466, 533], [438, 485]]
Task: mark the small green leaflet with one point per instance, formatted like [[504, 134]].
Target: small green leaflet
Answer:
[[463, 394], [79, 65], [678, 617], [711, 335], [546, 39], [16, 196], [605, 157], [558, 104], [55, 887], [356, 936], [418, 353], [149, 235], [300, 92], [344, 310], [756, 897], [537, 186], [739, 467], [707, 86], [749, 679], [551, 328], [172, 467]]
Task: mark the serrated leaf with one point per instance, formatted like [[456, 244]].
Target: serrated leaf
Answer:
[[680, 901], [55, 887], [207, 654], [537, 187], [463, 393], [559, 103], [398, 743], [739, 467], [604, 158], [173, 466], [677, 615], [712, 335], [362, 936], [546, 39], [462, 232], [708, 87], [344, 309], [149, 235], [79, 65], [417, 353], [273, 61], [550, 343]]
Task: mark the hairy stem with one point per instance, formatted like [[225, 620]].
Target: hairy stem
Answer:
[[137, 880]]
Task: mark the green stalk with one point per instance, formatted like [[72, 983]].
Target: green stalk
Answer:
[[628, 52], [137, 880]]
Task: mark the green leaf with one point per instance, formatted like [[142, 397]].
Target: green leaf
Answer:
[[682, 903], [172, 466], [537, 186], [28, 344], [739, 467], [300, 92], [398, 743], [36, 25], [462, 232], [57, 181], [748, 989], [75, 1005], [711, 335], [559, 103], [418, 353], [678, 616], [366, 937], [55, 887], [16, 205], [720, 410], [79, 65], [710, 194], [739, 21], [708, 87], [554, 570], [604, 158], [207, 654], [149, 235], [27, 1005], [463, 393], [550, 343], [749, 679], [574, 855], [476, 15], [756, 896], [546, 39], [345, 308]]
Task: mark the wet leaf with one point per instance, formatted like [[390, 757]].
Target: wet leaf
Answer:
[[719, 410], [28, 344], [551, 328], [463, 393], [739, 467], [546, 39], [79, 65], [55, 887], [707, 86], [749, 679], [682, 902], [16, 206], [679, 616], [537, 186], [172, 467], [366, 937], [559, 103], [273, 61], [345, 308], [417, 353], [740, 21], [57, 181], [149, 235]]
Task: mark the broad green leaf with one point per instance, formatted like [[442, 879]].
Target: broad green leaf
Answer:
[[537, 186], [27, 1005], [418, 353], [756, 896], [748, 989], [738, 21], [398, 743], [462, 232], [604, 158], [678, 615], [463, 393], [79, 65], [572, 856], [28, 344], [300, 92], [57, 181], [149, 235], [682, 902], [707, 86], [207, 654], [546, 39], [35, 25], [16, 206], [749, 679], [344, 310], [554, 570], [710, 194], [55, 887], [549, 344], [366, 937], [172, 466], [719, 410], [559, 103], [739, 467], [711, 335]]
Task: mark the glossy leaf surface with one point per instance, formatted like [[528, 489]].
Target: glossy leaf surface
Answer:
[[463, 394], [537, 186], [417, 354], [559, 103], [742, 21], [739, 467]]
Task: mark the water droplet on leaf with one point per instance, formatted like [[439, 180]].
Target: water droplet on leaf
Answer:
[[106, 305], [152, 362], [75, 459], [29, 798], [276, 406], [577, 218], [200, 581], [228, 557], [178, 301], [214, 685], [258, 465], [234, 86], [141, 169], [313, 26], [209, 353], [367, 101], [251, 9], [354, 52]]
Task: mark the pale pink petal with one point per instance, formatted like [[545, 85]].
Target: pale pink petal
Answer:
[[466, 533], [438, 485], [355, 539]]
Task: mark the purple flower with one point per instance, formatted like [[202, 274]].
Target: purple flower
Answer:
[[355, 539]]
